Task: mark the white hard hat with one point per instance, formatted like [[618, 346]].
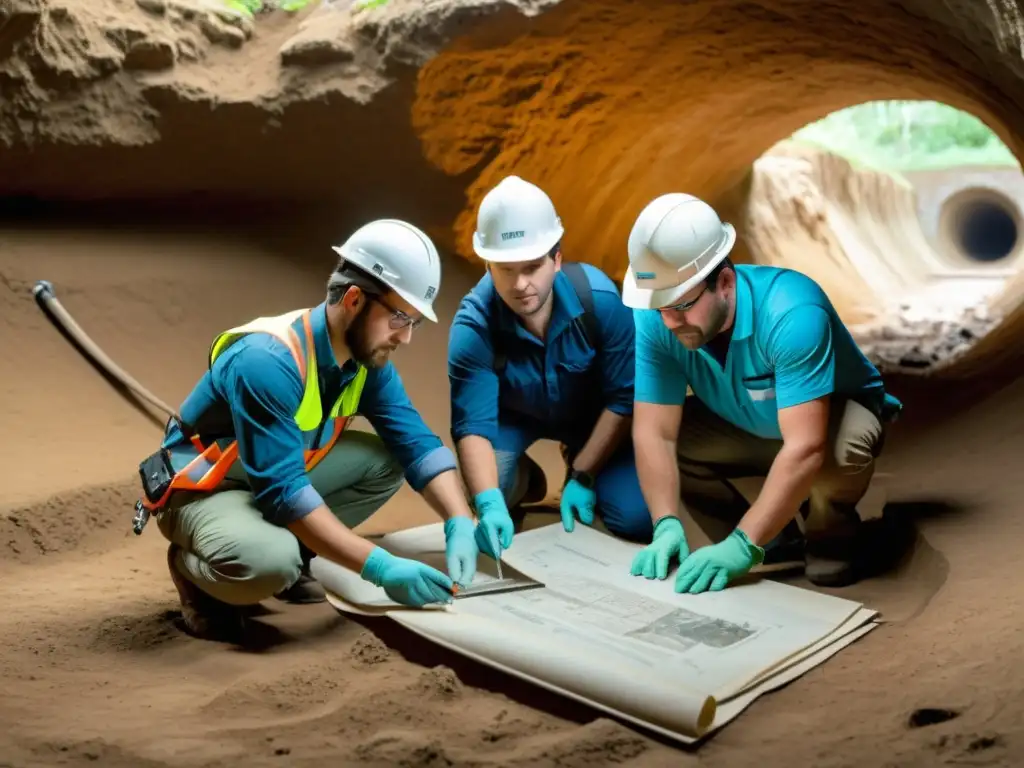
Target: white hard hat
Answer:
[[675, 242], [516, 222], [399, 255]]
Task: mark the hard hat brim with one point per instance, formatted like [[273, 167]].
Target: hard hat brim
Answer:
[[645, 298], [421, 305], [523, 253]]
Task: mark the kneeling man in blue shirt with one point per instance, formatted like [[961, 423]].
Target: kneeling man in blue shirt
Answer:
[[780, 390], [542, 349], [261, 472]]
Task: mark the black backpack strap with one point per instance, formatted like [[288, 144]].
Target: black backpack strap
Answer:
[[578, 277], [499, 350]]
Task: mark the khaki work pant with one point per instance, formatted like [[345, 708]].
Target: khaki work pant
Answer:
[[711, 449], [232, 553]]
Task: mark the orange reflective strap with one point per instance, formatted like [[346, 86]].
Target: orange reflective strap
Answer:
[[210, 466], [314, 457], [308, 325]]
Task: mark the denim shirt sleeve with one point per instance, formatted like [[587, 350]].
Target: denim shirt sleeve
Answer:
[[474, 384], [258, 377], [618, 367], [387, 407]]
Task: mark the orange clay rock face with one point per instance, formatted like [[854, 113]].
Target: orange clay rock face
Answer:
[[607, 104], [418, 108]]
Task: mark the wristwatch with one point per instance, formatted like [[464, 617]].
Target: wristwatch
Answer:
[[583, 478]]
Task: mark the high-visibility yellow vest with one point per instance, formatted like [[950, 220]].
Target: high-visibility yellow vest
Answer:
[[200, 467]]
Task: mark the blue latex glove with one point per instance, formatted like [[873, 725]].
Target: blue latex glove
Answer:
[[408, 582], [712, 567], [669, 541], [460, 549], [495, 523], [577, 500]]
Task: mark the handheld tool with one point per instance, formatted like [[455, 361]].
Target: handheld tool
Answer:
[[496, 587], [44, 294], [497, 549], [47, 300]]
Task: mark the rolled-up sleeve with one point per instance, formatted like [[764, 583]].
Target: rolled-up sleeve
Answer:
[[473, 382], [618, 360], [386, 405], [660, 377], [258, 377]]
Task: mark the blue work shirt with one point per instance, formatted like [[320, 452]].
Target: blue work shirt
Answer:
[[557, 386], [788, 347], [252, 393]]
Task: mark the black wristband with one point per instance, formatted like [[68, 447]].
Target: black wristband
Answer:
[[583, 478]]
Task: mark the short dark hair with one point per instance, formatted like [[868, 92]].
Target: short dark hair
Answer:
[[345, 276], [711, 280]]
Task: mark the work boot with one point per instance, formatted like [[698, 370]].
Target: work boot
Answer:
[[303, 592], [830, 556], [784, 552], [203, 616]]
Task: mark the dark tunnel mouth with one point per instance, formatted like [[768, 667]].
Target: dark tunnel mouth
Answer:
[[982, 225]]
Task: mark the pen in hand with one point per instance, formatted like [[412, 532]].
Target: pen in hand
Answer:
[[497, 549]]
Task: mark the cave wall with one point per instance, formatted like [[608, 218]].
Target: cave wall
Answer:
[[608, 104], [418, 108]]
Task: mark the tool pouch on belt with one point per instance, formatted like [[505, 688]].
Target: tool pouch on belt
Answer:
[[156, 474]]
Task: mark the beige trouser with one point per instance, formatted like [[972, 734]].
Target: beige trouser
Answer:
[[232, 553], [711, 449]]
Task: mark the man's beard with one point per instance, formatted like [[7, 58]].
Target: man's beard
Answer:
[[358, 344], [701, 336], [691, 338]]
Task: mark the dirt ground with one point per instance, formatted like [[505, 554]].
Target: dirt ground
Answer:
[[147, 99], [95, 669]]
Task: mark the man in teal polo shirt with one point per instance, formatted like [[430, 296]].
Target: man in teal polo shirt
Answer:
[[780, 390]]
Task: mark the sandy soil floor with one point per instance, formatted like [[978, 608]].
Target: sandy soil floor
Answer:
[[95, 670], [111, 98]]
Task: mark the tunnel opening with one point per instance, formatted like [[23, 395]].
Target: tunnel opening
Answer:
[[907, 214], [909, 136], [981, 225]]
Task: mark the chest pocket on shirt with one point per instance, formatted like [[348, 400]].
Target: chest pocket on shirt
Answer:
[[522, 387], [579, 379], [579, 382], [760, 389]]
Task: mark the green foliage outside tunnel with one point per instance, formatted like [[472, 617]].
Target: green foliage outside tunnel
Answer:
[[908, 136], [252, 7]]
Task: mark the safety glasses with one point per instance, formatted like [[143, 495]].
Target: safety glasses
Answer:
[[398, 319], [684, 305]]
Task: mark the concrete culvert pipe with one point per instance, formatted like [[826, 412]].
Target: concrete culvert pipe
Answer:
[[981, 225]]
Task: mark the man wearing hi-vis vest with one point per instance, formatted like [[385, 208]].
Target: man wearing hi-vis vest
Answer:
[[260, 474], [780, 391]]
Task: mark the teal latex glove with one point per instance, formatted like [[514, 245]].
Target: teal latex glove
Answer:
[[713, 567], [460, 549], [669, 541], [495, 523], [408, 582], [577, 500]]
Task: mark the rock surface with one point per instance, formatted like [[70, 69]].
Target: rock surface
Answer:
[[347, 111], [640, 97], [605, 104]]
